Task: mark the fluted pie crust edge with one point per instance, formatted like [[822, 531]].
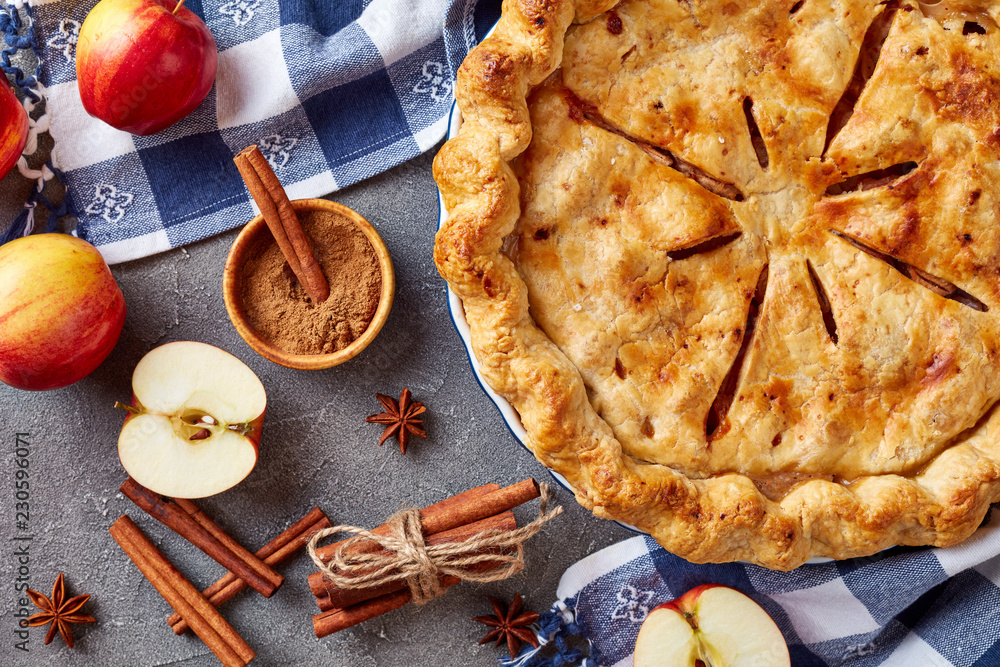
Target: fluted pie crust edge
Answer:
[[721, 518]]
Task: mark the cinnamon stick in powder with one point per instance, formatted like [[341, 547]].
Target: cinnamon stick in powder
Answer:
[[271, 199]]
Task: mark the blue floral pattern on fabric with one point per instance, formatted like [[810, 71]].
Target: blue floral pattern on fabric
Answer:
[[333, 91], [903, 606]]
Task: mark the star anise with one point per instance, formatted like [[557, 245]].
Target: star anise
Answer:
[[59, 611], [400, 418], [510, 624]]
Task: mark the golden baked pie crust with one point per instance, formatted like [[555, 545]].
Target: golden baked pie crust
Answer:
[[853, 427]]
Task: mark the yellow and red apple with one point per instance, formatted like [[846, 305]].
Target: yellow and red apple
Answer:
[[13, 128], [711, 625], [142, 65], [61, 311], [193, 428]]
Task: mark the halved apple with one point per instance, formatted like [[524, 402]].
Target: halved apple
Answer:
[[710, 626], [193, 428]]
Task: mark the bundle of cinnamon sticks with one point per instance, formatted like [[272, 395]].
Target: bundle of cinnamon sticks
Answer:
[[196, 609], [452, 520]]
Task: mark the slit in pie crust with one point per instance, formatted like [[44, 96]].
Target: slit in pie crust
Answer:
[[737, 265]]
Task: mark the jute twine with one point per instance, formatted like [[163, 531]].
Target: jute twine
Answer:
[[407, 557]]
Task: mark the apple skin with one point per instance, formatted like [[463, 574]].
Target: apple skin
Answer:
[[61, 311], [141, 68], [14, 133], [685, 604]]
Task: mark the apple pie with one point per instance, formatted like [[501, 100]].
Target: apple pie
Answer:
[[737, 264]]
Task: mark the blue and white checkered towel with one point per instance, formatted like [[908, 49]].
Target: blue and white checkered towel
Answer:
[[333, 91], [899, 608]]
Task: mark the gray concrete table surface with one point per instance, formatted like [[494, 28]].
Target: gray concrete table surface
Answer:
[[316, 450]]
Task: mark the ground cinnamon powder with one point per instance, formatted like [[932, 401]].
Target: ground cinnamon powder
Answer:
[[281, 312]]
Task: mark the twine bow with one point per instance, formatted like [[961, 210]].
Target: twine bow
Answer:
[[404, 554]]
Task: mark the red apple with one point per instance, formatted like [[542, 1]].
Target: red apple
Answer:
[[61, 311], [142, 65], [712, 625], [193, 428], [14, 130]]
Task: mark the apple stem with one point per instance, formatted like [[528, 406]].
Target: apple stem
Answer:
[[128, 408], [179, 5]]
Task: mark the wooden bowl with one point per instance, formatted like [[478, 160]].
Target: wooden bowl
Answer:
[[257, 232]]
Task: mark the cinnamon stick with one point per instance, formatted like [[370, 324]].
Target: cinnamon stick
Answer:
[[271, 199], [171, 515], [218, 635], [206, 522], [465, 508], [341, 618], [474, 494], [274, 552], [344, 597]]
